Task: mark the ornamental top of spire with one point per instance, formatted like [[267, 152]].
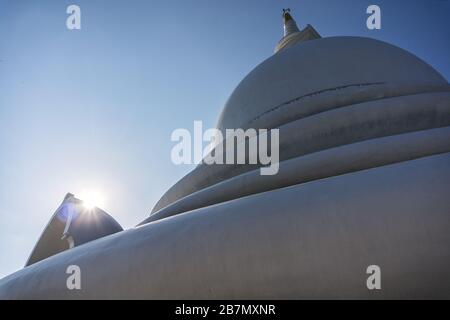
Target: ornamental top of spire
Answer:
[[290, 26], [292, 34]]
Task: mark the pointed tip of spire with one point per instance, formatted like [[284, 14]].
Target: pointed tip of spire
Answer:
[[292, 34], [290, 26], [287, 15]]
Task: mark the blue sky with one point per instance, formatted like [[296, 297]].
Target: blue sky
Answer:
[[94, 108]]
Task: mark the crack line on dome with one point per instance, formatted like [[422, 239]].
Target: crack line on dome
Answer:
[[313, 94]]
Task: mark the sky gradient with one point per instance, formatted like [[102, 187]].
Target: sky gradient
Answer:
[[94, 108]]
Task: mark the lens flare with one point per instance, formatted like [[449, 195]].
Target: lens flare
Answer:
[[92, 199]]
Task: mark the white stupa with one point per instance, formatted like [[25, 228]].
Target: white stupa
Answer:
[[364, 179]]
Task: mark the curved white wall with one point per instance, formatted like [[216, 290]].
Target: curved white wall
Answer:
[[312, 240]]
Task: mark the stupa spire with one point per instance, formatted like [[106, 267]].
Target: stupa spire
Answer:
[[292, 34], [290, 26]]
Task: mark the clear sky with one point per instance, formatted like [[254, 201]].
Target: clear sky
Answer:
[[94, 108]]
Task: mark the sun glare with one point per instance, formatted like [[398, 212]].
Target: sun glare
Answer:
[[92, 199]]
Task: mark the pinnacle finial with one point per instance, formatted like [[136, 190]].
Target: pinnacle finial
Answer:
[[286, 14], [290, 26]]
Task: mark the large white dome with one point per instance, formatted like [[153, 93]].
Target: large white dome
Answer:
[[323, 94], [322, 71]]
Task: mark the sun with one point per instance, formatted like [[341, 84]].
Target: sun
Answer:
[[92, 199]]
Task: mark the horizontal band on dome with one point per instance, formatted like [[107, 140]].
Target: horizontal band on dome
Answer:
[[323, 164], [328, 99], [330, 129]]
